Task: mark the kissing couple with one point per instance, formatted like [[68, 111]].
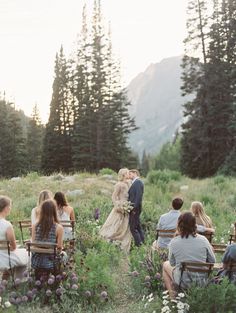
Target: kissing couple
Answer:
[[124, 220]]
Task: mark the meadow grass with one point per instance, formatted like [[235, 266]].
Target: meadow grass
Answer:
[[109, 266]]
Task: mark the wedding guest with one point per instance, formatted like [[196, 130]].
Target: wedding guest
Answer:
[[18, 257], [168, 221], [228, 257], [44, 195], [187, 246], [201, 217], [47, 229], [65, 213]]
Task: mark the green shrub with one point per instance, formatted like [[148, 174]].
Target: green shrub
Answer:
[[107, 171], [165, 176]]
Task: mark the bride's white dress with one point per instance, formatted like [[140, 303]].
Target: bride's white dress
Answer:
[[116, 226]]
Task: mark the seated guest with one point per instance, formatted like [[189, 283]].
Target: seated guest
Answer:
[[228, 257], [47, 229], [168, 221], [201, 217], [187, 246], [18, 257], [44, 195], [64, 212]]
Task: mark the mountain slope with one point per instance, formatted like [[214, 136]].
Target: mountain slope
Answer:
[[156, 104]]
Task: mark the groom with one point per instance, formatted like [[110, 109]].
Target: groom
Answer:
[[135, 197]]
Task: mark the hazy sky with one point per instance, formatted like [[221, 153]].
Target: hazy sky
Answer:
[[31, 32]]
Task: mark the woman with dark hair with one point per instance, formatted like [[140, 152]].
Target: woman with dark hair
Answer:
[[187, 246], [47, 229], [64, 213]]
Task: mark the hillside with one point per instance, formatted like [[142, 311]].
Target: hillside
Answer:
[[156, 104]]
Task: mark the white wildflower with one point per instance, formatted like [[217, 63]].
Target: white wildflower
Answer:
[[181, 295], [150, 299], [151, 295], [165, 292], [175, 301], [165, 309], [7, 304], [181, 311], [145, 305], [180, 305], [143, 298], [165, 297], [222, 240], [165, 302]]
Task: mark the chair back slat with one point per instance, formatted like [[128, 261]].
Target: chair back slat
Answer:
[[219, 247], [4, 245], [165, 233]]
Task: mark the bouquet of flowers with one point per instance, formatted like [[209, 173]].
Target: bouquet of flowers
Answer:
[[127, 207]]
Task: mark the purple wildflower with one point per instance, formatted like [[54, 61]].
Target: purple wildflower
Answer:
[[50, 281], [48, 293], [157, 276], [18, 300], [24, 299], [30, 294], [64, 275], [12, 300], [96, 214], [148, 284], [74, 279], [17, 281], [104, 295], [34, 291], [58, 278], [13, 294], [4, 282], [38, 283], [26, 274], [88, 293], [74, 287], [135, 274], [30, 279], [59, 291]]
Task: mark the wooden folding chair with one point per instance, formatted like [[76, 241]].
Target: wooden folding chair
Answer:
[[49, 248], [165, 233], [5, 245], [69, 224], [219, 247], [232, 239], [195, 267], [27, 225], [209, 236]]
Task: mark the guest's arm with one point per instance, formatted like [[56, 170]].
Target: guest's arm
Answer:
[[72, 214], [59, 234], [10, 236], [171, 256], [33, 232]]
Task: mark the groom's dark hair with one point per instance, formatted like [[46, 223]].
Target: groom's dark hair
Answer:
[[135, 171], [177, 203]]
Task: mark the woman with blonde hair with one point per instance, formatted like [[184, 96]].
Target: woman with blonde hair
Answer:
[[116, 227], [35, 213], [201, 217]]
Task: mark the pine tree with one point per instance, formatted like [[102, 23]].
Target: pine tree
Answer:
[[35, 134], [57, 141]]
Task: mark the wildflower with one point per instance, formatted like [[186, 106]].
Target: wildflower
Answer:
[[181, 295], [147, 278], [12, 300], [50, 281], [64, 275], [26, 274], [13, 294], [165, 297], [34, 291], [58, 278], [17, 281], [180, 305], [165, 309], [165, 302], [88, 293], [165, 292], [74, 279], [4, 282], [48, 293], [148, 284], [38, 283], [150, 299], [7, 304], [143, 298], [74, 287], [59, 291], [18, 300], [135, 274], [30, 294], [157, 276], [150, 296], [104, 295], [24, 299], [96, 214], [30, 279]]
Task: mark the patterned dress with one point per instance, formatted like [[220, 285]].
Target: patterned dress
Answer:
[[39, 260]]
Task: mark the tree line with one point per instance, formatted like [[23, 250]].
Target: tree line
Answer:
[[89, 121]]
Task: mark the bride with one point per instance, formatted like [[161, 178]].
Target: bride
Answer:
[[116, 227]]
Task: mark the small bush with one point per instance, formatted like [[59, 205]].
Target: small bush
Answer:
[[165, 176], [107, 171]]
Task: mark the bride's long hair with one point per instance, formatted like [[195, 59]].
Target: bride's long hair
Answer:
[[122, 173]]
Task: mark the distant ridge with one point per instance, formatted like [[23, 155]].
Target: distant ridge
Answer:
[[156, 104]]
